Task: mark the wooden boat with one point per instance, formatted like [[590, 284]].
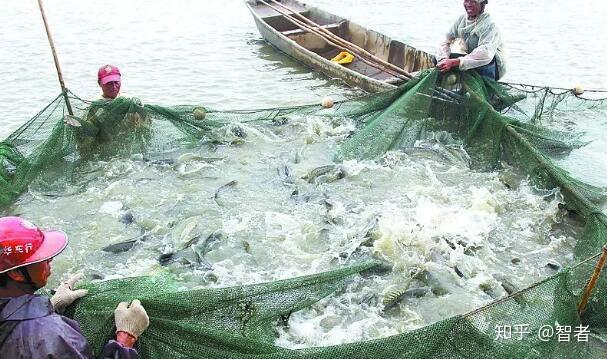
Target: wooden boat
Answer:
[[316, 52]]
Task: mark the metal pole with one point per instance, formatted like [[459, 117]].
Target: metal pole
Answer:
[[56, 59]]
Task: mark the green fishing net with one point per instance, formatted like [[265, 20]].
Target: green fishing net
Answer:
[[495, 123]]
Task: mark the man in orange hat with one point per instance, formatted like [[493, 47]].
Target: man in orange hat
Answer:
[[30, 326]]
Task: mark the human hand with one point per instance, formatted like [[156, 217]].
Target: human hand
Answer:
[[71, 121], [65, 295], [131, 319], [137, 101], [445, 65]]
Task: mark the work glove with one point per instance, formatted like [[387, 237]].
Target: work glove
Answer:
[[131, 319], [65, 295]]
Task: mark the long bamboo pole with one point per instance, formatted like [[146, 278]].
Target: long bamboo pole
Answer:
[[592, 283], [56, 59], [344, 42], [321, 35]]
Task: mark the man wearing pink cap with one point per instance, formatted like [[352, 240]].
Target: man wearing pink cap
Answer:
[[29, 324], [108, 78]]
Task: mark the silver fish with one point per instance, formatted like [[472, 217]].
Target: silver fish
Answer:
[[223, 188], [396, 296], [325, 174], [127, 245], [285, 173], [193, 252], [430, 280]]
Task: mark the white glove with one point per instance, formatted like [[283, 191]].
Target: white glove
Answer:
[[131, 319], [64, 295]]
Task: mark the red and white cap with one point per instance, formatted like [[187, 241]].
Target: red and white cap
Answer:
[[22, 243], [108, 73]]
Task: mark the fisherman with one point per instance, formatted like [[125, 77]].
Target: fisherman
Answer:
[[30, 326], [479, 40], [112, 117], [108, 78]]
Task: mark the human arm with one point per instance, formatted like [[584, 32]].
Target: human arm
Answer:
[[131, 321], [488, 43], [445, 65], [115, 349], [65, 295], [444, 48]]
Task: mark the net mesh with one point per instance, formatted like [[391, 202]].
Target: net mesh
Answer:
[[493, 122]]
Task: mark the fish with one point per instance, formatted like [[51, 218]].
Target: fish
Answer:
[[239, 132], [325, 174], [127, 217], [120, 246], [554, 265], [335, 210], [246, 246], [367, 235], [509, 287], [280, 121], [439, 152], [299, 155], [457, 154], [458, 272], [396, 296], [380, 269], [510, 180], [72, 121], [193, 252], [185, 231], [42, 191], [125, 246], [190, 156], [153, 161], [232, 183], [176, 163], [331, 177], [453, 241], [318, 171], [430, 280], [285, 173], [488, 289], [95, 275]]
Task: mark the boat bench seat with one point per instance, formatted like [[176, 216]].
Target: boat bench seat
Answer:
[[301, 31]]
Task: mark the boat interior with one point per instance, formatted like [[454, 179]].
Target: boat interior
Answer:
[[393, 51]]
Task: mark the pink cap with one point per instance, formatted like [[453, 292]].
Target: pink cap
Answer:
[[108, 73]]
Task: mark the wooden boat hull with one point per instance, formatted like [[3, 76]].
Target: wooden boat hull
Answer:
[[316, 53]]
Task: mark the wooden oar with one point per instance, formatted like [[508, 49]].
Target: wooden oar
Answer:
[[303, 26], [344, 42]]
